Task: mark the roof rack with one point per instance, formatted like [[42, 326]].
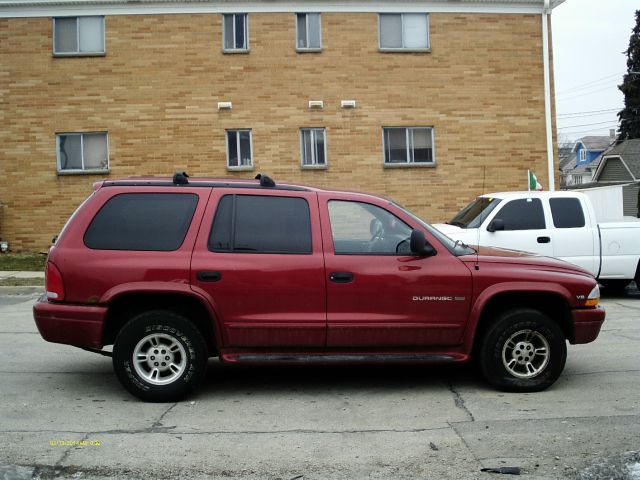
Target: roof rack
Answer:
[[265, 180], [181, 178]]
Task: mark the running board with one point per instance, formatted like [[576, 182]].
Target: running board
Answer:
[[338, 358]]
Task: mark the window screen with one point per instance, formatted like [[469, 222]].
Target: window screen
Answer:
[[142, 221], [524, 214], [567, 213], [261, 224]]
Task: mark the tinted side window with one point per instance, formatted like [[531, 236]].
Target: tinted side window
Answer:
[[524, 214], [362, 228], [142, 221], [567, 213], [261, 224]]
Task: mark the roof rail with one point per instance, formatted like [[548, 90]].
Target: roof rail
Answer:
[[181, 178], [265, 180]]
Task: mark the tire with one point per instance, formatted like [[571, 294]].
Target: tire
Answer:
[[179, 350], [614, 285], [508, 356]]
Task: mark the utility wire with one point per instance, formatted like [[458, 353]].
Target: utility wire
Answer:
[[598, 80]]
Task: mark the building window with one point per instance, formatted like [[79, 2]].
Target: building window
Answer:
[[313, 147], [408, 146], [404, 31], [78, 36], [82, 152], [583, 155], [235, 32], [239, 150], [308, 31]]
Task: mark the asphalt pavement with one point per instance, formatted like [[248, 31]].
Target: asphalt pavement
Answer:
[[63, 414]]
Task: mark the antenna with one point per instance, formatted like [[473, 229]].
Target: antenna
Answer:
[[484, 176], [265, 180]]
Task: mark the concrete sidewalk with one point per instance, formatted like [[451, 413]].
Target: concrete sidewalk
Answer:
[[18, 274]]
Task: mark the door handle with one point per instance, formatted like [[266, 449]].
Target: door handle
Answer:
[[544, 240], [209, 276], [341, 277]]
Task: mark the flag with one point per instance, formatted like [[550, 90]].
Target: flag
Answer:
[[533, 182]]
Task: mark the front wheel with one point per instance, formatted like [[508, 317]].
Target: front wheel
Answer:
[[159, 356], [523, 351]]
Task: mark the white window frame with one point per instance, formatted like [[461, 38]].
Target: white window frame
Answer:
[[403, 48], [409, 143], [78, 171], [583, 155], [246, 33], [226, 138], [308, 49], [314, 165], [79, 53]]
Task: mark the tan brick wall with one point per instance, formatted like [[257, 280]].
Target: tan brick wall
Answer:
[[157, 88]]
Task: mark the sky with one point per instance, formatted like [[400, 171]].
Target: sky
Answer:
[[589, 41]]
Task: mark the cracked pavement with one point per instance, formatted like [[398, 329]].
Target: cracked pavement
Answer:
[[63, 414]]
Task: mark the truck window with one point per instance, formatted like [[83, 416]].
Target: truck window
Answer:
[[522, 214], [567, 213], [361, 228], [261, 224], [142, 221]]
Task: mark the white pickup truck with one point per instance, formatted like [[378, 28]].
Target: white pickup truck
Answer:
[[555, 224]]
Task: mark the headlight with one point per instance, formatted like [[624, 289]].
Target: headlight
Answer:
[[594, 297]]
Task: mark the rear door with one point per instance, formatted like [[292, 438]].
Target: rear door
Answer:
[[573, 235], [259, 259]]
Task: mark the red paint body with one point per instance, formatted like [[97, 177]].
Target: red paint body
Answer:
[[275, 303]]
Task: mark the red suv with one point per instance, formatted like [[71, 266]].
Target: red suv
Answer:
[[172, 272]]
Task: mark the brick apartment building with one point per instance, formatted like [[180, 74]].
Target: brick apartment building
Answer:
[[421, 101]]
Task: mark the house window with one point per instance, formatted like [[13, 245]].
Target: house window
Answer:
[[408, 146], [82, 152], [404, 31], [78, 36], [583, 155], [235, 32], [312, 147], [308, 35], [239, 150]]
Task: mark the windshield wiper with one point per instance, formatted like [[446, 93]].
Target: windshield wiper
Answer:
[[463, 245]]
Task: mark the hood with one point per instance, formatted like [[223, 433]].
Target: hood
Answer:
[[450, 230], [517, 257]]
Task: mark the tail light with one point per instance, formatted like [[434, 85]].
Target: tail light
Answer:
[[54, 283]]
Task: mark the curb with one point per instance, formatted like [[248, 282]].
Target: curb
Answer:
[[21, 290]]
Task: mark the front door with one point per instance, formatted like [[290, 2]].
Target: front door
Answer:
[[258, 258], [378, 294]]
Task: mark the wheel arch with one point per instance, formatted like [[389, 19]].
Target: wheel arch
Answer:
[[127, 305], [553, 305]]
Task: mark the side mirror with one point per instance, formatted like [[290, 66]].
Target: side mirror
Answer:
[[496, 225], [419, 245]]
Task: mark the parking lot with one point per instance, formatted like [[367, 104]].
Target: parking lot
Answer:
[[64, 414]]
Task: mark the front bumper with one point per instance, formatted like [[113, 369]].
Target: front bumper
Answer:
[[78, 325], [586, 324]]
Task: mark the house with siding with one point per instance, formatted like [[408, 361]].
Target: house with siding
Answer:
[[588, 152], [425, 102], [621, 166]]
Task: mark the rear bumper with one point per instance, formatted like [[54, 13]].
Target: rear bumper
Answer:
[[586, 324], [78, 325]]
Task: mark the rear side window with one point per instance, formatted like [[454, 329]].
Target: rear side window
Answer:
[[261, 224], [142, 221], [523, 214], [567, 213]]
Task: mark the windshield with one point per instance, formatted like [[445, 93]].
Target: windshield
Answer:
[[474, 214], [456, 247]]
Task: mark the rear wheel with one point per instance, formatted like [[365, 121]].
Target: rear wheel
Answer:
[[159, 356], [523, 351]]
